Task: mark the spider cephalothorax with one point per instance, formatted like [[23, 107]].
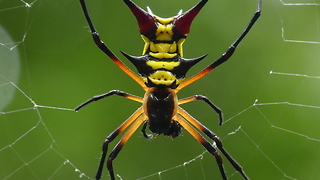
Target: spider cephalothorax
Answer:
[[162, 70]]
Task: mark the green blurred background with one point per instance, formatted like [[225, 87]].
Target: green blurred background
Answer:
[[57, 65]]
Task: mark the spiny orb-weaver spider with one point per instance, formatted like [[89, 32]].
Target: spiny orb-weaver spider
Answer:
[[162, 71]]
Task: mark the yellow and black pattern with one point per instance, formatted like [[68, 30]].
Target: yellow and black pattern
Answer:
[[162, 70], [163, 46], [162, 63]]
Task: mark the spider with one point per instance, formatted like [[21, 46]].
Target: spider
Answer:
[[162, 71]]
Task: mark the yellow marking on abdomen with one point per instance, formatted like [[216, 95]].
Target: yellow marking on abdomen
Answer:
[[162, 78], [163, 55], [162, 65]]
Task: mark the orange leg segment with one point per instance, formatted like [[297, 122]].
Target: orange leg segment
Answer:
[[135, 116], [122, 142], [212, 136], [225, 56], [205, 99], [202, 141], [107, 51], [110, 93]]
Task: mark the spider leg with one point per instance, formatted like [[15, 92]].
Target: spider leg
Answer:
[[122, 142], [114, 134], [146, 135], [205, 99], [212, 136], [202, 141], [107, 51], [224, 57], [110, 93]]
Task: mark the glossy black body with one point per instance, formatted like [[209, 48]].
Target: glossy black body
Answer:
[[160, 107]]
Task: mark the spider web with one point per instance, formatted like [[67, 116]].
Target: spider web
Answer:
[[49, 65]]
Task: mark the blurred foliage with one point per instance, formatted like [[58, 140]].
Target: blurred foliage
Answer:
[[61, 67]]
